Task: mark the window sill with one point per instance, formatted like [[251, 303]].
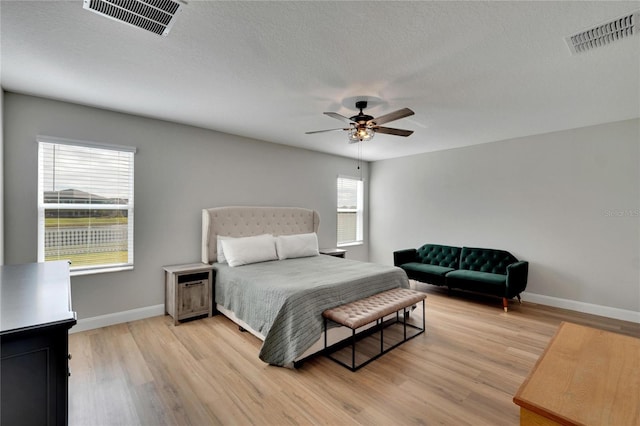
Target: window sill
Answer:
[[81, 272], [355, 243]]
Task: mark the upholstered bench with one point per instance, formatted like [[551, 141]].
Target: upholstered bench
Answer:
[[371, 309]]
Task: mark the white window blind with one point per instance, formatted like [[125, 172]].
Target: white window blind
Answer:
[[350, 210], [85, 205]]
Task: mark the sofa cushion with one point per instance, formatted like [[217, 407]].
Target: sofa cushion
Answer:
[[482, 277], [486, 260], [429, 269], [434, 254], [432, 274]]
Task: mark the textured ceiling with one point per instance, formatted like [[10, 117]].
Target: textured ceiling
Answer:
[[473, 72]]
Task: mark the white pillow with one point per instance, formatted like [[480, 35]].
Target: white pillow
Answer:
[[298, 245], [219, 249], [243, 251]]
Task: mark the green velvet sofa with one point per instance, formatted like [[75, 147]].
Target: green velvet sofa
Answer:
[[482, 270]]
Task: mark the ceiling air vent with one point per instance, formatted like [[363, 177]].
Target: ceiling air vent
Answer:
[[156, 16], [601, 35]]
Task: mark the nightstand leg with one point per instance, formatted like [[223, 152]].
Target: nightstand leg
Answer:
[[174, 296], [166, 293]]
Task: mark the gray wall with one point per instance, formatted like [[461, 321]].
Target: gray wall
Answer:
[[178, 171], [568, 202], [1, 181]]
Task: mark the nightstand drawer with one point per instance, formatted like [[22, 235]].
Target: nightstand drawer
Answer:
[[193, 297]]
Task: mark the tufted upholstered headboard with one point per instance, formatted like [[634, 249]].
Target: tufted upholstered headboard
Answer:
[[246, 221]]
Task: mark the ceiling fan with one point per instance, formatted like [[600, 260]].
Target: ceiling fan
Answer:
[[363, 127]]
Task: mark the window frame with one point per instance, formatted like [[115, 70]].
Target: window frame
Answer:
[[129, 207], [359, 210]]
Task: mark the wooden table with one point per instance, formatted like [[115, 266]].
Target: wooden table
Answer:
[[584, 377]]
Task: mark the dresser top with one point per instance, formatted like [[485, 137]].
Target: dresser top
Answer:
[[585, 376], [35, 295]]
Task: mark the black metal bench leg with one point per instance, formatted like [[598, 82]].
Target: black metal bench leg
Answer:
[[379, 322], [353, 349], [325, 333], [404, 324]]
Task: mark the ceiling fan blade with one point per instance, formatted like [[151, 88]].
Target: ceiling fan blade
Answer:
[[396, 115], [390, 131], [322, 131], [339, 117]]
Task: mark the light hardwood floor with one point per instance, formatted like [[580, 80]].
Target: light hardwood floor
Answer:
[[465, 369]]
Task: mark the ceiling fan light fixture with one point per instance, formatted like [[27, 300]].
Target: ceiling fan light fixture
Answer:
[[360, 134], [362, 127]]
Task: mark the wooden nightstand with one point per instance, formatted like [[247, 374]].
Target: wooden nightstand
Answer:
[[335, 252], [188, 291]]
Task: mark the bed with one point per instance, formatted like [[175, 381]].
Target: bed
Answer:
[[281, 301]]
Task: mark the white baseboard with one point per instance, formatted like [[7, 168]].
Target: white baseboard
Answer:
[[117, 318], [152, 311], [587, 308]]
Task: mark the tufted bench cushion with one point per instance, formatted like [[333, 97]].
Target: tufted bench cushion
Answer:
[[364, 311]]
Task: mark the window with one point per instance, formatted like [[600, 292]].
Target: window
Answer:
[[350, 210], [85, 205]]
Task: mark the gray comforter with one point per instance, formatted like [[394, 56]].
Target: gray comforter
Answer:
[[284, 299]]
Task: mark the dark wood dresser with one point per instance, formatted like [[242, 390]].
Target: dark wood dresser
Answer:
[[35, 318]]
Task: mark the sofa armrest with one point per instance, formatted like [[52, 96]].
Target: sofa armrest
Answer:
[[401, 257], [517, 278]]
